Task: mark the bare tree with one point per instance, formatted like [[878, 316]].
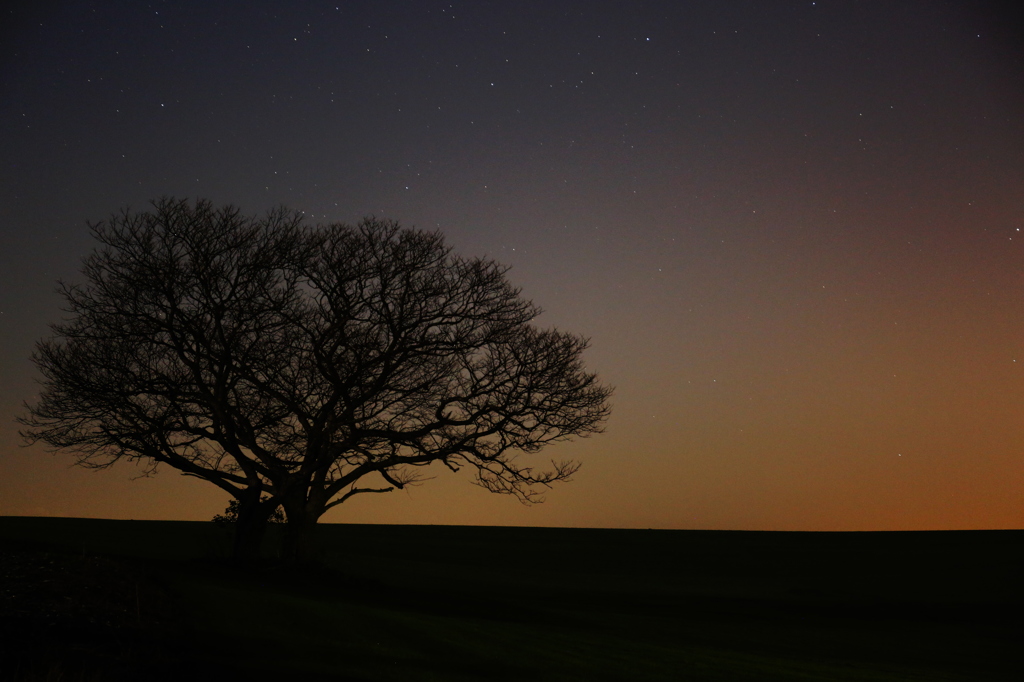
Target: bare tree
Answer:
[[297, 366]]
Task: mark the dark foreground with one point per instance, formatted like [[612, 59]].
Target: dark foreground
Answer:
[[126, 600]]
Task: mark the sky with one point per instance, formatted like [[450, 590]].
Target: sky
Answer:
[[793, 231]]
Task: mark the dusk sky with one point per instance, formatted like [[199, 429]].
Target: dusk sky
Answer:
[[793, 231]]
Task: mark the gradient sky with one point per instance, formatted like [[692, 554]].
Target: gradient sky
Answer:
[[794, 231]]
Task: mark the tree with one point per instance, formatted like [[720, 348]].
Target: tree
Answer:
[[298, 366]]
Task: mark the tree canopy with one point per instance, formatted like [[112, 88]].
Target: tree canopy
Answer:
[[296, 366]]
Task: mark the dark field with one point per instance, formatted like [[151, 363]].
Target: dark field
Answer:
[[95, 600]]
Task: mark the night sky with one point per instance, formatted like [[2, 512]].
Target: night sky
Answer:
[[792, 230]]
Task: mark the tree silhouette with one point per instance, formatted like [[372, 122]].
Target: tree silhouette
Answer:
[[297, 366]]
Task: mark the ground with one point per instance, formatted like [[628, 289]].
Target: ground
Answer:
[[104, 600]]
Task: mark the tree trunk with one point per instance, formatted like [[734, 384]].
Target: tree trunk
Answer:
[[251, 528], [300, 534], [299, 542]]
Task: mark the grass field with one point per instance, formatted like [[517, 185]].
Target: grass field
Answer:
[[145, 598]]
